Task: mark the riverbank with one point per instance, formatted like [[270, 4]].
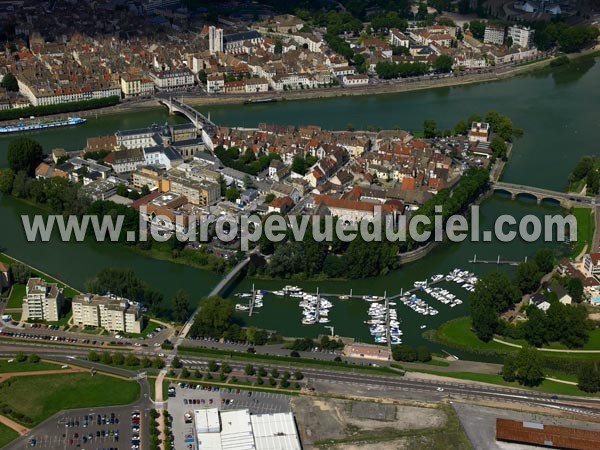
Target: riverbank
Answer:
[[306, 94]]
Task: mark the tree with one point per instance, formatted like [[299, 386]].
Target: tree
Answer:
[[106, 358], [404, 353], [544, 258], [535, 329], [262, 372], [423, 354], [249, 370], [7, 178], [298, 375], [232, 194], [588, 379], [212, 366], [275, 373], [443, 63], [185, 373], [93, 356], [429, 127], [477, 27], [461, 127], [131, 360], [24, 154], [498, 146], [118, 359], [528, 276], [494, 292], [509, 369], [575, 289], [176, 363], [33, 358], [278, 47], [299, 165], [10, 83], [20, 273], [21, 357], [158, 363], [122, 190], [529, 366], [181, 305], [214, 318]]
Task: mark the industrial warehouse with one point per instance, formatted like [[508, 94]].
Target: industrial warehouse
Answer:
[[240, 430]]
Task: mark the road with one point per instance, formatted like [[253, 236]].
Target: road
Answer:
[[351, 378]]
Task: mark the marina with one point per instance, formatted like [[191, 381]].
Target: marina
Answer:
[[383, 320]]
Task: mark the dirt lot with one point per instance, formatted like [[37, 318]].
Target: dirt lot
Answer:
[[321, 419]]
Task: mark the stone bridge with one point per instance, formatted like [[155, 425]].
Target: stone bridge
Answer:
[[565, 199]]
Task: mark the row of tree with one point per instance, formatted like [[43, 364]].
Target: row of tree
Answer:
[[408, 353], [587, 169], [129, 360], [60, 108]]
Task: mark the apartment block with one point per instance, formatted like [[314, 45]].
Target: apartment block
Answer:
[[42, 301], [202, 193], [521, 36], [494, 34], [109, 312]]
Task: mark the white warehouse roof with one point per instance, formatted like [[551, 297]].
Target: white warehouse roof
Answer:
[[275, 432]]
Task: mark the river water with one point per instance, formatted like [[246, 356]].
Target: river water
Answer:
[[558, 110]]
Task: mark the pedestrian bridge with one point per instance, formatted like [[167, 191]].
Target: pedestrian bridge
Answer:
[[232, 275], [565, 199]]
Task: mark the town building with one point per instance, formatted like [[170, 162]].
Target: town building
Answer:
[[173, 79], [198, 192], [367, 352], [591, 265], [479, 132], [5, 276], [42, 301], [398, 38], [521, 36], [494, 34], [215, 84], [356, 80], [136, 85], [215, 40], [99, 189], [109, 312]]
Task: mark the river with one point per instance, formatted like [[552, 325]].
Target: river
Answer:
[[558, 110]]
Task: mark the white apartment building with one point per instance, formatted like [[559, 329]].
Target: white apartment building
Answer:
[[494, 34], [43, 96], [398, 38], [109, 312], [355, 80], [215, 40], [172, 79], [215, 84], [42, 301], [521, 36]]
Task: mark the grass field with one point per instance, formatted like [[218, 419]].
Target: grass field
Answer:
[[16, 296], [69, 292], [39, 397], [6, 367], [585, 229], [7, 435], [458, 332], [549, 387]]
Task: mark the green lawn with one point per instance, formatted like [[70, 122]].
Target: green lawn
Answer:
[[68, 292], [550, 387], [35, 398], [149, 328], [7, 435], [16, 296], [458, 332], [585, 229], [6, 367]]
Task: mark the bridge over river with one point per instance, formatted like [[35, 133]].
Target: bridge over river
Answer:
[[201, 122], [565, 199]]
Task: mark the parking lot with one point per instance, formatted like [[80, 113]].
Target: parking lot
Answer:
[[108, 428], [189, 397]]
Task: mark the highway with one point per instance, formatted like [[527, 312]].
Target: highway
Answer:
[[353, 379]]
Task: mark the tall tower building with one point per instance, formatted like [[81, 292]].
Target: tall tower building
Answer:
[[215, 40]]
